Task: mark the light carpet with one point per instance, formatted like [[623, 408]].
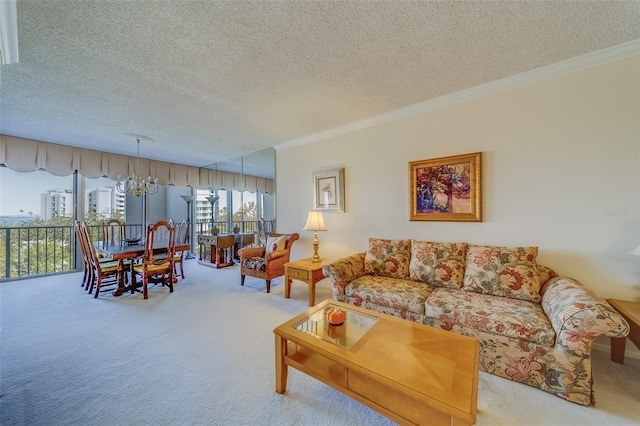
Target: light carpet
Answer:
[[204, 355]]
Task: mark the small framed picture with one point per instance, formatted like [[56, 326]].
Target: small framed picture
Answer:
[[329, 189], [446, 189]]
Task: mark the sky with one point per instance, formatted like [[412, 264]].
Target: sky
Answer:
[[21, 191]]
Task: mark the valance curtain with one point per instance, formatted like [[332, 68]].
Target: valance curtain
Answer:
[[27, 155]]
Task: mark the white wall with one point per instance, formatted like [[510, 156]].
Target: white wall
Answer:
[[561, 170], [176, 206]]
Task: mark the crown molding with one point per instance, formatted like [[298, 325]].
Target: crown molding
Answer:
[[599, 57]]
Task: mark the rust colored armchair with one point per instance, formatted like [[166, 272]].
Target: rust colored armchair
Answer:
[[256, 262]]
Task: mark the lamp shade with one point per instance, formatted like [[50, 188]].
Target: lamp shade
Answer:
[[315, 222], [213, 198], [635, 251]]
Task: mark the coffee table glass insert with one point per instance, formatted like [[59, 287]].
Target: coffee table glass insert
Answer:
[[345, 335]]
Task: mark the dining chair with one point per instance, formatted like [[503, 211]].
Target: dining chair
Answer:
[[181, 238], [103, 272], [87, 268], [83, 235], [113, 231], [262, 232], [160, 265]]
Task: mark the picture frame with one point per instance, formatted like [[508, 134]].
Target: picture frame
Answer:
[[328, 189], [446, 189]]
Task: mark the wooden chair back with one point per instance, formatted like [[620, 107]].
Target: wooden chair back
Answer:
[[113, 231], [182, 237], [262, 232], [99, 271], [87, 244], [161, 264], [182, 232], [161, 232], [81, 238]]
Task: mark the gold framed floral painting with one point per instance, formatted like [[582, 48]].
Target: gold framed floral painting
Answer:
[[446, 189]]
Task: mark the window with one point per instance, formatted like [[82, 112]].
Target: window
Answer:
[[34, 196], [36, 218]]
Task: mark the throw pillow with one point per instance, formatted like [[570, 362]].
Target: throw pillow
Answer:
[[440, 264], [388, 258], [276, 243], [545, 274], [503, 271]]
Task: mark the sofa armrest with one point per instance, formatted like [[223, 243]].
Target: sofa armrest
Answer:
[[343, 271], [579, 316]]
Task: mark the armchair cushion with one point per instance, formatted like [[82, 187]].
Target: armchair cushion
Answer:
[[255, 263]]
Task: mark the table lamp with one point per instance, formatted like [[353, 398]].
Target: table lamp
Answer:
[[315, 223]]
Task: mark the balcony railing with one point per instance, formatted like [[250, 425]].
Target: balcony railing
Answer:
[[244, 227], [28, 251]]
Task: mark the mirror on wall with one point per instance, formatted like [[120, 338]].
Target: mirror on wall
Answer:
[[244, 199]]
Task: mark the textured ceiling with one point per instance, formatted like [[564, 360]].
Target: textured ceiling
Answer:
[[212, 80]]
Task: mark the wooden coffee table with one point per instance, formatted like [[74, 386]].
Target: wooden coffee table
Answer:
[[408, 372]]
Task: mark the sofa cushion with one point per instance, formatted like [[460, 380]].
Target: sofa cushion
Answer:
[[503, 271], [504, 316], [392, 292], [439, 264], [388, 258]]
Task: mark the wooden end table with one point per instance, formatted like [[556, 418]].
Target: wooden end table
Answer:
[[218, 246], [631, 312], [306, 271]]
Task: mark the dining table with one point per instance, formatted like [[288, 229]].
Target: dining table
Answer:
[[123, 250]]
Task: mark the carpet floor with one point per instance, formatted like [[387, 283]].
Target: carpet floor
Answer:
[[204, 355]]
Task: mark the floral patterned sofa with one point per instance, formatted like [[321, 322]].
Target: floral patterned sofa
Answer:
[[534, 326]]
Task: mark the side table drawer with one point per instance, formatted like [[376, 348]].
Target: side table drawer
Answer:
[[297, 273]]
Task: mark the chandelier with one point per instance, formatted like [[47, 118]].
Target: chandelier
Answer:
[[135, 184]]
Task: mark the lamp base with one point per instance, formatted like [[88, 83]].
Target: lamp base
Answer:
[[316, 244]]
